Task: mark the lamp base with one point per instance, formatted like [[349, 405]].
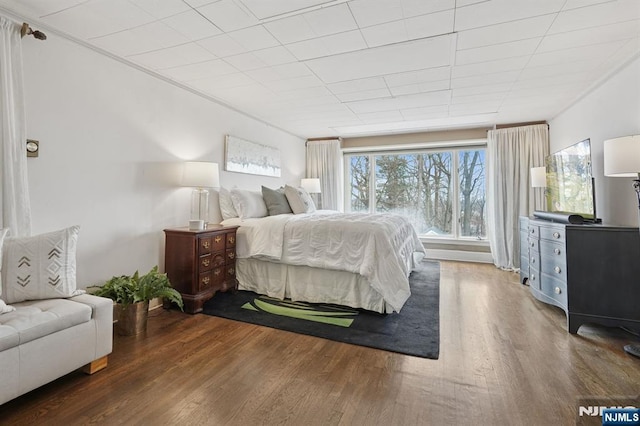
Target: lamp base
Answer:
[[200, 205]]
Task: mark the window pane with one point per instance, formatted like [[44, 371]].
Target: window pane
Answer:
[[417, 186], [359, 183], [471, 166]]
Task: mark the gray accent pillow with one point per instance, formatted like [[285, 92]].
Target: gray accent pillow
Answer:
[[276, 201], [299, 200]]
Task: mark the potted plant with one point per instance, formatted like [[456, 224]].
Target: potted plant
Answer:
[[132, 294]]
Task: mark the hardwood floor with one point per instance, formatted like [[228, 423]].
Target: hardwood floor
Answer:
[[504, 359]]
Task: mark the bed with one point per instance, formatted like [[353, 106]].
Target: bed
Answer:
[[352, 259]]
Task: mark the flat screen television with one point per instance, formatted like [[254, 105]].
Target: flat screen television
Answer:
[[570, 185]]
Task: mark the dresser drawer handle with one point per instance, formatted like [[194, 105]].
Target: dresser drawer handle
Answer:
[[533, 277], [217, 239], [557, 269], [533, 260], [533, 231], [216, 272], [231, 271], [232, 255], [205, 280], [558, 290], [533, 244], [556, 235], [556, 251], [232, 239], [206, 244], [206, 262]]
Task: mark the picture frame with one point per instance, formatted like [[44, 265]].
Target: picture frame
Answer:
[[244, 156]]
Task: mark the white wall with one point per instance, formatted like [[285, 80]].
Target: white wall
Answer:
[[609, 111], [112, 141]]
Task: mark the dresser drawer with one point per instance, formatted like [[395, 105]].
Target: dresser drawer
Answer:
[[205, 281], [205, 263], [555, 289], [554, 266], [553, 233], [230, 256], [231, 240], [553, 248], [534, 231], [205, 245]]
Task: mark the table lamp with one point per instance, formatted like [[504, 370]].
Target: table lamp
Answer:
[[312, 186], [622, 159], [200, 176]]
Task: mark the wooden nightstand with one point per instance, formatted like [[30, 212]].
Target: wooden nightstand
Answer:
[[199, 263]]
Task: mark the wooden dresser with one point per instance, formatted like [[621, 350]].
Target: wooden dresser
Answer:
[[590, 271], [199, 263]]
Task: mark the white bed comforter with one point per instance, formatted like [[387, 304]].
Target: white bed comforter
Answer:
[[380, 247]]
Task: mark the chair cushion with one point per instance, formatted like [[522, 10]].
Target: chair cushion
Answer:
[[34, 319]]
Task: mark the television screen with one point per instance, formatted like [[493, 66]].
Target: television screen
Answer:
[[569, 181]]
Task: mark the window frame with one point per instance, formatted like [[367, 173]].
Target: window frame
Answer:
[[451, 146]]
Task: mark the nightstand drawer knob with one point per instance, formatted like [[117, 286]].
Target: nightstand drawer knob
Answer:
[[206, 244], [557, 269], [206, 262], [232, 255], [556, 235], [232, 239], [217, 239], [216, 272], [205, 280], [558, 290], [231, 271]]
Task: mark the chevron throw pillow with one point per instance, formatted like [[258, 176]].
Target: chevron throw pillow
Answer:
[[40, 267]]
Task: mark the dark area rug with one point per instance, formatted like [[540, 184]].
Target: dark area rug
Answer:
[[414, 331]]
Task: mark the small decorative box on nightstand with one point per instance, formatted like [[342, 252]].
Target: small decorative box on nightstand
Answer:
[[199, 263]]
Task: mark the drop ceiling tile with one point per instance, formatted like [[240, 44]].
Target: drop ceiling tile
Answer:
[[212, 84], [366, 94], [41, 8], [409, 89], [228, 15], [304, 93], [327, 45], [500, 33], [98, 18], [279, 72], [245, 94], [254, 38], [374, 12], [574, 4], [420, 76], [162, 8], [245, 62], [192, 25], [381, 117], [499, 11], [290, 30], [497, 51], [357, 85], [200, 70], [222, 46], [401, 102], [485, 79], [331, 20], [597, 15], [481, 89], [474, 108], [493, 97], [293, 83], [145, 38], [176, 56], [383, 60], [272, 8], [548, 82], [490, 67], [275, 56], [198, 3], [409, 29], [559, 69], [583, 53], [597, 35], [437, 111]]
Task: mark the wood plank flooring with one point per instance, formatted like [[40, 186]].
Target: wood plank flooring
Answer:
[[504, 359]]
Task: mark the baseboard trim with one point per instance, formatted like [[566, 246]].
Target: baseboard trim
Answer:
[[459, 255]]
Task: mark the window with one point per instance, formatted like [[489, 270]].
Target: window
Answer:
[[442, 192]]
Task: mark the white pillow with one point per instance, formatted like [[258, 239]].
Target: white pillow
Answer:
[[226, 205], [299, 200], [40, 267], [3, 306], [248, 203]]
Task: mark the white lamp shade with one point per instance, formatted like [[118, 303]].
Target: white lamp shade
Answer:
[[199, 174], [312, 186], [622, 156], [539, 177]]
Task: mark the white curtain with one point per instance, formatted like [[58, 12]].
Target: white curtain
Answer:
[[511, 153], [324, 161], [14, 199]]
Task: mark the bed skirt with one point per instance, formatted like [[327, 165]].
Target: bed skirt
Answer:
[[306, 284]]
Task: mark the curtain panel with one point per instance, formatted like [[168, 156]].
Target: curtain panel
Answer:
[[324, 161], [511, 153], [14, 200]]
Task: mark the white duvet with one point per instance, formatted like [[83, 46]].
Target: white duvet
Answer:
[[380, 247]]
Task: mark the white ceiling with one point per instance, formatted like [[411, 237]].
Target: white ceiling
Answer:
[[345, 68]]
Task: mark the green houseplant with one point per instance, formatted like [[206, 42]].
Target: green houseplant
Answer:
[[132, 294]]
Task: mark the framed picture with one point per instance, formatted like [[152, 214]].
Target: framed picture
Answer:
[[254, 158]]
